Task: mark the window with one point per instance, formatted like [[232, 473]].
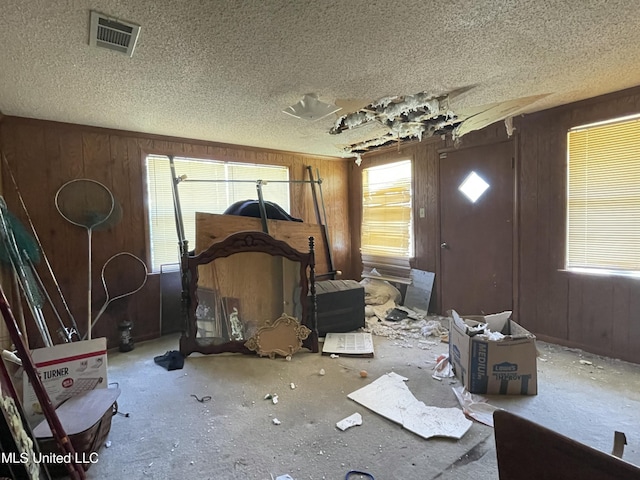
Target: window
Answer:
[[387, 224], [234, 182], [603, 203]]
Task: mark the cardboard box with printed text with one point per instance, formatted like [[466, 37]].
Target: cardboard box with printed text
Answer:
[[65, 370], [506, 366]]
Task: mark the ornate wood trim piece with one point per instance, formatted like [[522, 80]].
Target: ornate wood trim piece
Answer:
[[249, 242], [282, 336]]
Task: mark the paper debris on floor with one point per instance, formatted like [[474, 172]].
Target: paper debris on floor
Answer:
[[350, 421], [442, 368], [475, 406], [390, 397], [355, 343]]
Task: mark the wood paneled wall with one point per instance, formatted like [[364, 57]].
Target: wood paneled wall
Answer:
[[44, 155], [426, 161], [598, 313]]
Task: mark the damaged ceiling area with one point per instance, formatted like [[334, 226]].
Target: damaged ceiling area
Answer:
[[414, 117], [379, 74], [406, 117]]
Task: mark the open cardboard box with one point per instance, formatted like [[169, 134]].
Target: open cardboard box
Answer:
[[504, 367]]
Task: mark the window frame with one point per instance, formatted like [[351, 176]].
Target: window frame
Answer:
[[193, 157], [590, 267], [411, 227]]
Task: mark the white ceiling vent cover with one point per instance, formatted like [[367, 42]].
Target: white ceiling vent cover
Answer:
[[107, 32]]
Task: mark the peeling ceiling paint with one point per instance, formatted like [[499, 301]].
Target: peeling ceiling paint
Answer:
[[404, 117]]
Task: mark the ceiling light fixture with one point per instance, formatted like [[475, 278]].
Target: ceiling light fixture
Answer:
[[310, 108]]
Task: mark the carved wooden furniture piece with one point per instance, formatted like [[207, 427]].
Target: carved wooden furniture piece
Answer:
[[239, 286]]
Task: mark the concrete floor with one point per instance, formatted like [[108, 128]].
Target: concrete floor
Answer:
[[169, 434]]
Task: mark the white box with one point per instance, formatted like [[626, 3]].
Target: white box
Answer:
[[65, 371]]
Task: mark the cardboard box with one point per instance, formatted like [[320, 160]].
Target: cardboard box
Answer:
[[65, 370], [483, 365]]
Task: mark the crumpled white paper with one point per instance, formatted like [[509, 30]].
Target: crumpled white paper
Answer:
[[475, 406]]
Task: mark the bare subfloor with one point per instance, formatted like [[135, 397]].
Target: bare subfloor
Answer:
[[169, 434]]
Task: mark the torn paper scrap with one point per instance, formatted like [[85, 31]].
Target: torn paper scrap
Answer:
[[475, 406], [390, 397], [350, 421], [443, 367]]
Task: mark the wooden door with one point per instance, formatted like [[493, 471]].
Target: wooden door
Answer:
[[476, 238]]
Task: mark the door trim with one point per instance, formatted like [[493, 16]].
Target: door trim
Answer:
[[515, 223]]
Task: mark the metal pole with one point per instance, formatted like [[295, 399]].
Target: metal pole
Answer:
[[325, 234], [182, 241], [326, 224], [243, 181], [263, 209]]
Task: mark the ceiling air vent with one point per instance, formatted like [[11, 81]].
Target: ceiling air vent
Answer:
[[113, 34]]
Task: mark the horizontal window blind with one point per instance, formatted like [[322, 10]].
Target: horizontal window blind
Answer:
[[603, 198], [387, 224], [201, 196]]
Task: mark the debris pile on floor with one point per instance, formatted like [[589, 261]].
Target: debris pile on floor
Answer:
[[385, 317]]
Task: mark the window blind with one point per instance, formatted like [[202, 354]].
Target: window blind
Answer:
[[207, 197], [603, 204], [387, 227]]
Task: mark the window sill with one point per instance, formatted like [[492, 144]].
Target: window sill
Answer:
[[601, 273]]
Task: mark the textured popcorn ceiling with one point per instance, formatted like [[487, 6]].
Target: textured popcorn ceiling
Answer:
[[224, 71]]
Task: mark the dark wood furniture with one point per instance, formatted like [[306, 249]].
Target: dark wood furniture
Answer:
[[239, 284], [528, 451]]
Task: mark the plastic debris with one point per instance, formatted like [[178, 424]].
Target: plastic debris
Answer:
[[586, 362], [292, 385], [442, 368], [321, 372], [275, 421], [333, 355], [350, 421], [475, 406]]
